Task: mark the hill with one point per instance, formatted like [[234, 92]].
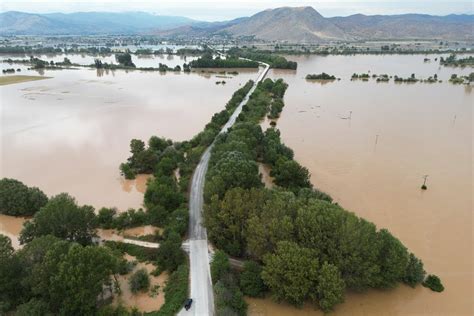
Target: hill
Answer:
[[291, 24], [86, 23]]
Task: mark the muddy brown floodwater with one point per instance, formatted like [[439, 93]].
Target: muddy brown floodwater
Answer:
[[71, 132], [422, 129], [144, 301]]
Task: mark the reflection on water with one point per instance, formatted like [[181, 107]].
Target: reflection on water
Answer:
[[382, 183], [71, 133]]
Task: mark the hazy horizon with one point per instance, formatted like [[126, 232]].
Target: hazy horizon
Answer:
[[219, 11]]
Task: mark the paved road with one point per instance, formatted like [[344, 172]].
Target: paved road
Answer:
[[201, 285]]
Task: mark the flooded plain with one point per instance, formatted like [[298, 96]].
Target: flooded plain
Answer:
[[71, 132], [373, 163]]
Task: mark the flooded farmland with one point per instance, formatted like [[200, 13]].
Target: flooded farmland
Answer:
[[71, 132], [373, 163]]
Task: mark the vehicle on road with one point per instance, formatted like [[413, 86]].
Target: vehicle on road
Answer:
[[188, 303]]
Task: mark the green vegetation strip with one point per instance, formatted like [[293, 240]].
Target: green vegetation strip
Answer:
[[6, 80]]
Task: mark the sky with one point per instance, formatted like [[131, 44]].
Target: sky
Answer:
[[213, 10]]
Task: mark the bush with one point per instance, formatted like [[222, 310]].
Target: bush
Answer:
[[139, 281], [251, 281], [219, 266], [433, 283]]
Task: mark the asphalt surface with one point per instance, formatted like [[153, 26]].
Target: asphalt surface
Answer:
[[201, 284]]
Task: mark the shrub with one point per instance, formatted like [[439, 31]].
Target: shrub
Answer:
[[433, 283], [139, 281]]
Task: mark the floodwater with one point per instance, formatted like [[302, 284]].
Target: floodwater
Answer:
[[71, 132], [423, 129], [144, 301], [11, 227], [264, 171]]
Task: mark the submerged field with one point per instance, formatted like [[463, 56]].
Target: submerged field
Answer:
[[373, 163], [367, 144], [70, 133]]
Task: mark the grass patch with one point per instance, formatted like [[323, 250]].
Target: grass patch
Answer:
[[6, 80]]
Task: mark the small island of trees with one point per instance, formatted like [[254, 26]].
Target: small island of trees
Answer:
[[321, 76]]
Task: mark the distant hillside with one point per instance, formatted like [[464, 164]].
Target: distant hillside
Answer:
[[86, 23], [407, 26], [290, 24], [300, 24]]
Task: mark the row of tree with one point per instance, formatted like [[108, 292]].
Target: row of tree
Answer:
[[274, 60], [208, 61], [307, 247]]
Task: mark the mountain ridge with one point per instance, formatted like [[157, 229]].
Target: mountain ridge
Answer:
[[289, 24]]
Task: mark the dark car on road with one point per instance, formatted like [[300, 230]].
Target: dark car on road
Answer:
[[188, 303]]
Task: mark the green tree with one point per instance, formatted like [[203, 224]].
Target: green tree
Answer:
[[330, 288], [163, 191], [290, 174], [159, 144], [251, 281], [106, 217], [63, 218], [139, 281], [170, 255], [19, 200], [414, 273], [393, 260], [219, 266], [10, 271], [33, 307], [433, 283], [136, 146], [291, 272], [226, 220], [81, 277], [232, 170]]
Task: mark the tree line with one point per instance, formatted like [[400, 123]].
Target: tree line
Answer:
[[274, 60], [208, 61]]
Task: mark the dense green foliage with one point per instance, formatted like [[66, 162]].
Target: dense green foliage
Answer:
[[321, 76], [52, 276], [139, 281], [274, 60], [62, 218], [433, 283], [414, 273], [19, 200], [207, 61], [251, 281], [229, 300], [219, 265], [170, 255]]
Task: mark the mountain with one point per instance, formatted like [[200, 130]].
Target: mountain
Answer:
[[291, 24], [295, 24], [407, 26], [86, 23]]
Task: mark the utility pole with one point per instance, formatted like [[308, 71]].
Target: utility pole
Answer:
[[424, 187]]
